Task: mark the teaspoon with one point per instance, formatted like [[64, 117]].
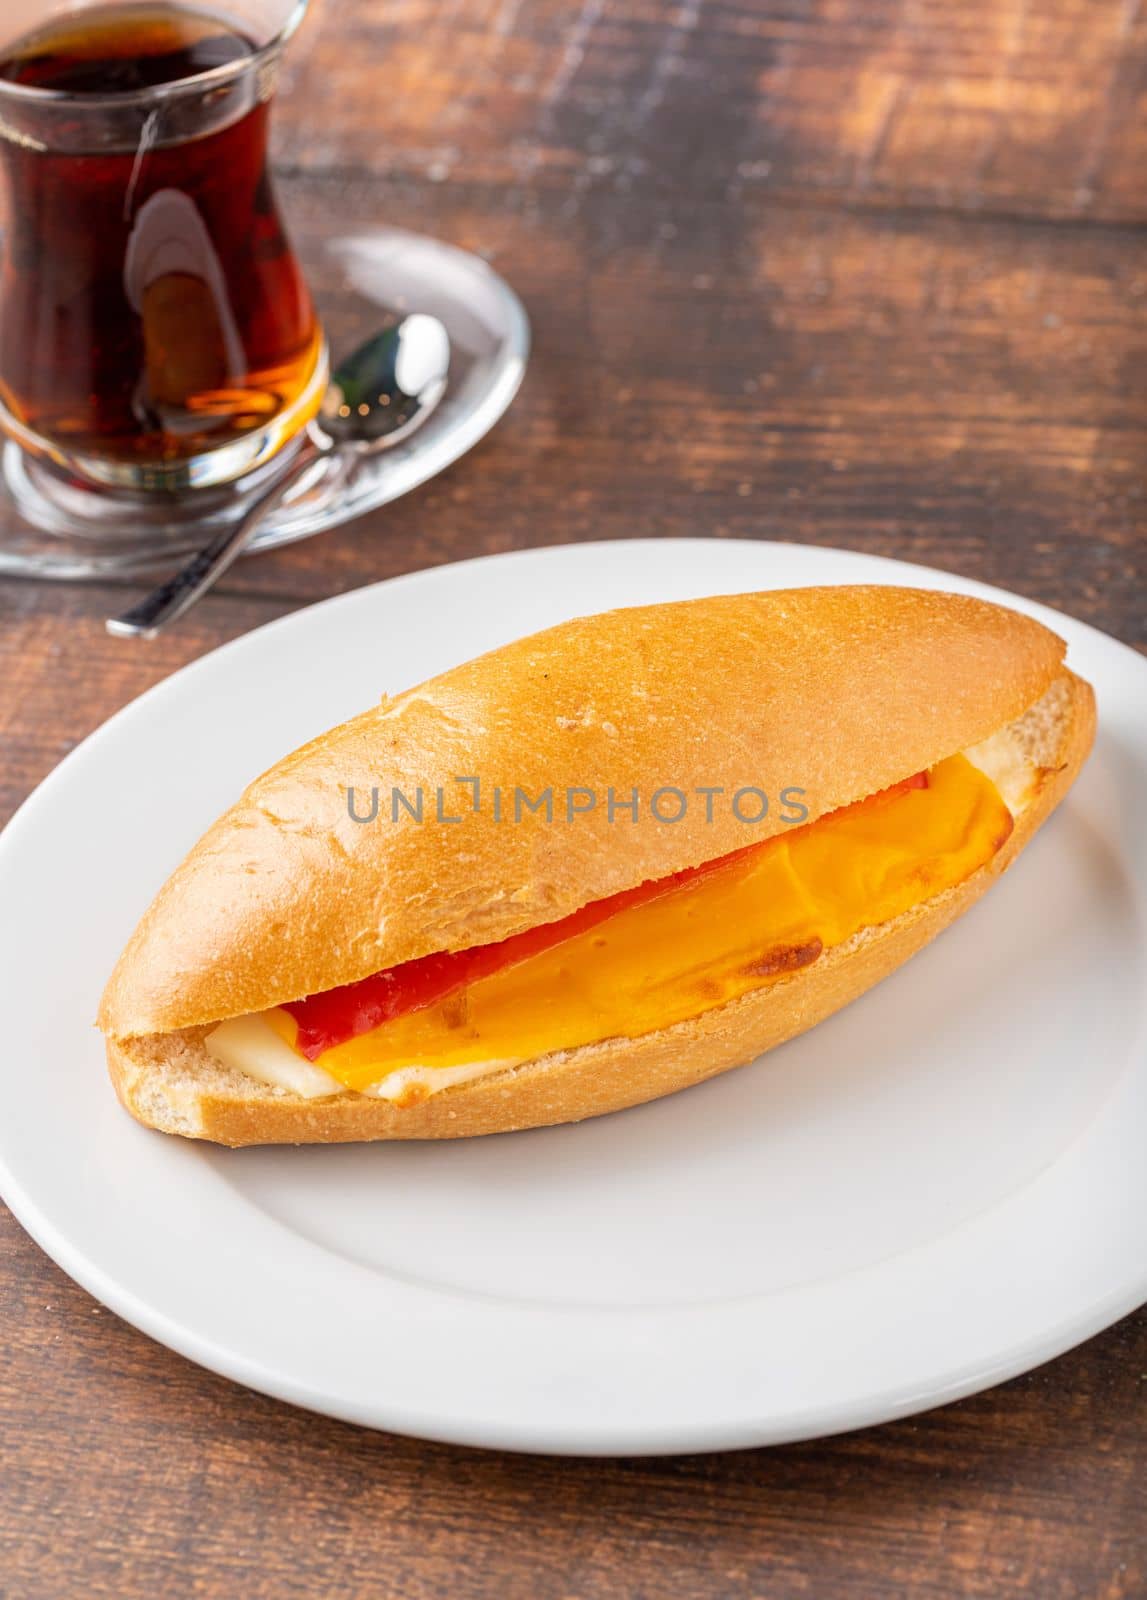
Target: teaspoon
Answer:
[[377, 396]]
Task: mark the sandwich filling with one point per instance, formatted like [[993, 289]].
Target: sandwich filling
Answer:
[[662, 953]]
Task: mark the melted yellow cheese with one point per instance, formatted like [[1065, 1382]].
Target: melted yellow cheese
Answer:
[[743, 924]]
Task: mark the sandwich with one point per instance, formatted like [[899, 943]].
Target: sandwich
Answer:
[[593, 867]]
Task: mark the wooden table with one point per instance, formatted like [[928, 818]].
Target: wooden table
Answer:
[[866, 273]]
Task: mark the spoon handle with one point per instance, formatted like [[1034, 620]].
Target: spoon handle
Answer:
[[176, 594]]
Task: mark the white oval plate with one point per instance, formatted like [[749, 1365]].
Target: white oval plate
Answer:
[[936, 1189]]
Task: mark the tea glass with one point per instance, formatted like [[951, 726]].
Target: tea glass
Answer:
[[157, 336]]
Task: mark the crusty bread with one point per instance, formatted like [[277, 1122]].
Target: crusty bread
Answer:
[[837, 691], [170, 1082], [166, 1078]]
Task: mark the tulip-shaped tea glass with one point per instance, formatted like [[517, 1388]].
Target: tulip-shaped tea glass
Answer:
[[157, 336]]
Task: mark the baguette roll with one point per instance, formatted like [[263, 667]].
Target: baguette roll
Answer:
[[836, 694]]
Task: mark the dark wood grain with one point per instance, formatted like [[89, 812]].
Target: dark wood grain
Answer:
[[1025, 107], [850, 272]]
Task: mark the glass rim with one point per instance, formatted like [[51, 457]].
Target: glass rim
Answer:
[[124, 99]]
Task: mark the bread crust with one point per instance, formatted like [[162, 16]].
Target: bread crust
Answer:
[[202, 1102], [836, 691]]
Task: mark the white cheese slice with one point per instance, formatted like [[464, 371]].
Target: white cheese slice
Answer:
[[397, 1084], [252, 1046], [1001, 758]]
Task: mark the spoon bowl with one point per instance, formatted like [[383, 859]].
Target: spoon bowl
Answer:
[[387, 387]]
